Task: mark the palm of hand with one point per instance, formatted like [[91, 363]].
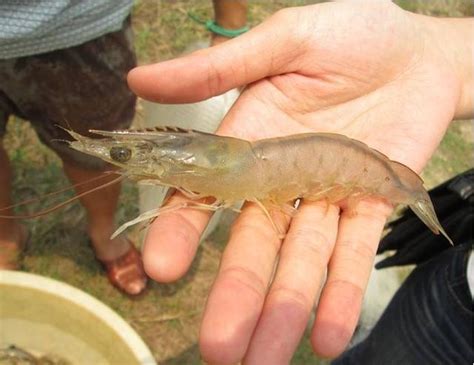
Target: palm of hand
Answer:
[[381, 89], [383, 96], [326, 70]]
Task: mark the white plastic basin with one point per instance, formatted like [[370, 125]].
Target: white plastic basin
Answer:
[[44, 316]]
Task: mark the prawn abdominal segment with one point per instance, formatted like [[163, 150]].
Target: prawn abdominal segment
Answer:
[[271, 172]]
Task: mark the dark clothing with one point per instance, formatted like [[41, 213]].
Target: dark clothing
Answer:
[[429, 320], [79, 88]]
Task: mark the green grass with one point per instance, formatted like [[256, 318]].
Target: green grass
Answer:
[[454, 155], [167, 316], [453, 8]]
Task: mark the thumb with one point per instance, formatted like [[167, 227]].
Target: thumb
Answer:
[[261, 52]]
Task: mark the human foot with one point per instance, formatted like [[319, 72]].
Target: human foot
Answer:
[[122, 262], [126, 271]]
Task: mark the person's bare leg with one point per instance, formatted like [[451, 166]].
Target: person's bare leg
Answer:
[[101, 207], [11, 233]]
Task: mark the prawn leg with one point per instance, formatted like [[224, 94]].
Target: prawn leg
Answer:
[[168, 195], [322, 194], [191, 194], [287, 209], [353, 200], [153, 213], [338, 194]]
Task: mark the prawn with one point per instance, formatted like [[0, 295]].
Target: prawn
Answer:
[[271, 172]]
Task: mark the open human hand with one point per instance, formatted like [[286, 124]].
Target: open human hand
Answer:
[[370, 71]]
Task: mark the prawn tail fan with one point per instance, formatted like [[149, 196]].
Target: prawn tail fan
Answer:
[[424, 209]]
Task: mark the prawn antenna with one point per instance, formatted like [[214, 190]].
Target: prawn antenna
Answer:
[[64, 203], [33, 200], [57, 125], [60, 140]]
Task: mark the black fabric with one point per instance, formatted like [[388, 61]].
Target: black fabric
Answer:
[[414, 242], [429, 320]]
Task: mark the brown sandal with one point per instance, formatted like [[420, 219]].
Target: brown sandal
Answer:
[[126, 272]]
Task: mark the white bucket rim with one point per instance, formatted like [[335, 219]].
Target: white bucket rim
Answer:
[[86, 301]]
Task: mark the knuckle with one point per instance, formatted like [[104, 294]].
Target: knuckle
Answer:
[[214, 78], [243, 226], [312, 242], [246, 278], [298, 27], [360, 249], [346, 285], [293, 296], [255, 225], [186, 231], [283, 15]]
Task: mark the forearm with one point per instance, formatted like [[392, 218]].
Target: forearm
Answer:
[[230, 14], [455, 39]]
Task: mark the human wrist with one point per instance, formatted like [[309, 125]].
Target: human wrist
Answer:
[[453, 42]]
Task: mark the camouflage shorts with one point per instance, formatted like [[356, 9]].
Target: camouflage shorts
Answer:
[[81, 88]]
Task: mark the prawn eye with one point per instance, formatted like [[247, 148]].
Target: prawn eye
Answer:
[[120, 154]]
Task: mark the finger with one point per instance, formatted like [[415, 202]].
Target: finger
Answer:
[[261, 52], [172, 241], [237, 296], [301, 271], [348, 274]]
